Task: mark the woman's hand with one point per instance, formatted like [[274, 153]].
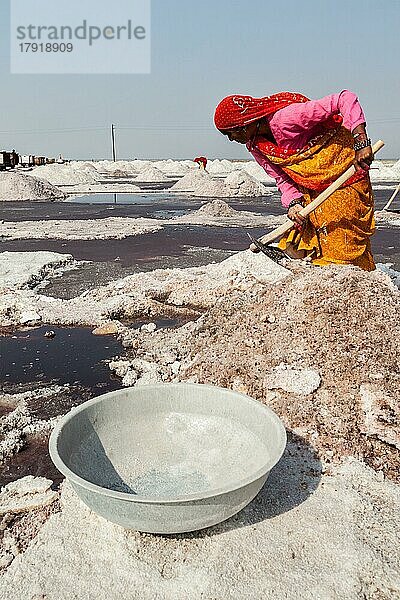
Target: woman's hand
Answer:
[[295, 216], [363, 159]]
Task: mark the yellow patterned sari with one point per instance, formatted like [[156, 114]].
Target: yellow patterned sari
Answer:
[[339, 230]]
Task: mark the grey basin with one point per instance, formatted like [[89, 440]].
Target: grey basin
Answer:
[[168, 458]]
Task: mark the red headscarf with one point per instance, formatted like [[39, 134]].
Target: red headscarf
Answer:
[[238, 111]]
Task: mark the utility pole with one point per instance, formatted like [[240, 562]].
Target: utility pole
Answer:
[[113, 142]]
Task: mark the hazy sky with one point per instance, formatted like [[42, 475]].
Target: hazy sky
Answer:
[[202, 51]]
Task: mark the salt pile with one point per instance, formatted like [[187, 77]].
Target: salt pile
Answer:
[[217, 208], [152, 174], [237, 183], [200, 184], [255, 170], [381, 171], [240, 183], [66, 174], [118, 173], [172, 167], [19, 186], [219, 167], [219, 214], [190, 181], [353, 409]]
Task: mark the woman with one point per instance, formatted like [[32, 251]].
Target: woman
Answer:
[[305, 145]]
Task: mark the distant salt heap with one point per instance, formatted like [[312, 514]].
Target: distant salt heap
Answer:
[[122, 166], [241, 183], [237, 184], [216, 208], [68, 174], [152, 174], [219, 167], [199, 183], [384, 172], [190, 181], [172, 167], [19, 186], [255, 170], [139, 165], [119, 173]]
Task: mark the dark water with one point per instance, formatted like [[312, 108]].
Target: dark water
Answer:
[[34, 459], [73, 355]]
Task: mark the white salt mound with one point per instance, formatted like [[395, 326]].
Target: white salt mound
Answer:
[[217, 208], [255, 170], [190, 181], [111, 167], [66, 174], [19, 186], [210, 188], [151, 174], [240, 183], [219, 167], [140, 165], [200, 184], [237, 183], [172, 167]]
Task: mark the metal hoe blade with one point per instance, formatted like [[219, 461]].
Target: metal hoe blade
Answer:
[[275, 254]]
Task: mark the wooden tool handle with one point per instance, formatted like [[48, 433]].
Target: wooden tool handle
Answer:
[[288, 224]]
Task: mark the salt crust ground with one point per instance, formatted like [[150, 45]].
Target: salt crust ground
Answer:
[[216, 213], [87, 229], [155, 294], [100, 188], [324, 320], [25, 269], [388, 217], [304, 537]]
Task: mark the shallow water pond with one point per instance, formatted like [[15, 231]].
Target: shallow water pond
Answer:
[[74, 354]]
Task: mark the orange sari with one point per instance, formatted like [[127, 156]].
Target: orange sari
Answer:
[[339, 230]]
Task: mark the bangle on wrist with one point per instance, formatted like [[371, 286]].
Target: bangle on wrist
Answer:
[[294, 202], [361, 133], [359, 145]]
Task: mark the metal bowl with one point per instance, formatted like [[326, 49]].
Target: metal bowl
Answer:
[[168, 458]]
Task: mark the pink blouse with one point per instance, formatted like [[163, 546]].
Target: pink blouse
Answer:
[[294, 126]]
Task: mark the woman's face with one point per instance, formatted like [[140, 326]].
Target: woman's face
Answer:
[[241, 135]]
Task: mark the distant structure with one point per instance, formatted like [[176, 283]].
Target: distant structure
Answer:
[[10, 160]]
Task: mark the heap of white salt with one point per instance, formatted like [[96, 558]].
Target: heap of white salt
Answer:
[[67, 174], [383, 171], [152, 174], [219, 167], [256, 170], [172, 167], [19, 186], [240, 183], [217, 208], [190, 181]]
